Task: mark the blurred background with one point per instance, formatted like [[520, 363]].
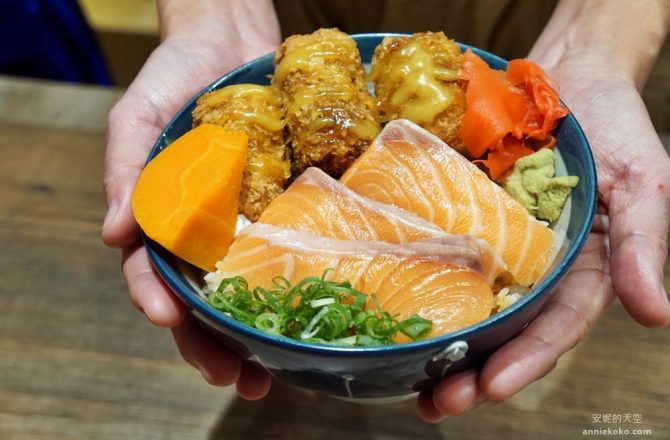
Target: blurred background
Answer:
[[77, 361]]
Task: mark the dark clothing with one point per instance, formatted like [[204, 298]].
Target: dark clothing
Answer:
[[505, 27]]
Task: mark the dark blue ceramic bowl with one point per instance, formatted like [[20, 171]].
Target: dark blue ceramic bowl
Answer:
[[391, 371]]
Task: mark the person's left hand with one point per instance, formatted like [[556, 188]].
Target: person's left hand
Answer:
[[624, 254]]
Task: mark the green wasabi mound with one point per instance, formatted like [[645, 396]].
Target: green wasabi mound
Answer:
[[533, 184]]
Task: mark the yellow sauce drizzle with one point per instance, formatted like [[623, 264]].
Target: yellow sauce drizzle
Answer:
[[276, 169], [310, 58], [326, 80], [365, 129], [418, 93], [261, 116]]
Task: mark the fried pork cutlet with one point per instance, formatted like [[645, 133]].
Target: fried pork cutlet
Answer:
[[417, 78], [330, 115], [257, 111]]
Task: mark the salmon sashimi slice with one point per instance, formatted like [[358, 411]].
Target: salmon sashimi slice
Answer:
[[410, 168], [318, 204], [438, 279]]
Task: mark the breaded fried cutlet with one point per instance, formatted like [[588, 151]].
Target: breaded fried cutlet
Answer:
[[417, 78], [257, 111], [330, 115]]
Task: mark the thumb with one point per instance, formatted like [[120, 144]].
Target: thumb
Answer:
[[639, 210], [129, 138]]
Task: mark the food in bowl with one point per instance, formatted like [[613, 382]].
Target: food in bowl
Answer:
[[187, 198], [257, 111], [330, 116], [418, 78], [414, 225], [383, 372]]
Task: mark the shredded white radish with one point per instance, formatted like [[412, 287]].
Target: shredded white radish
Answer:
[[311, 328], [316, 303]]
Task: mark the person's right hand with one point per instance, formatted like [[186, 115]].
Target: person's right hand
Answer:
[[625, 253], [182, 65]]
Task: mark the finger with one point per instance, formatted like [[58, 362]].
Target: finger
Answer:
[[639, 219], [456, 394], [148, 293], [577, 304], [129, 138], [601, 221], [218, 365], [254, 382], [426, 409]]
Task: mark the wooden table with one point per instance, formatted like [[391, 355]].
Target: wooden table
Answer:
[[78, 362]]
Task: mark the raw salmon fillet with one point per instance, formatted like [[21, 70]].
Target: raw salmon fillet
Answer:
[[438, 279], [410, 168], [320, 205]]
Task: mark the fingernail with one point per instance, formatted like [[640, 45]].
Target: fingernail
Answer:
[[206, 374], [653, 272], [191, 362], [112, 209], [486, 403], [483, 401]]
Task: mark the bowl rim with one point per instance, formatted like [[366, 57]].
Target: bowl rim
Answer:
[[197, 304]]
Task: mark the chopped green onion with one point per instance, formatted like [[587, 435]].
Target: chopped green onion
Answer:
[[268, 322], [367, 341], [315, 310], [416, 327]]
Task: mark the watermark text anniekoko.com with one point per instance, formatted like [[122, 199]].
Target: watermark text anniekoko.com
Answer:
[[603, 425]]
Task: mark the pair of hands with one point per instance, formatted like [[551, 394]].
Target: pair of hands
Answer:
[[624, 255]]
